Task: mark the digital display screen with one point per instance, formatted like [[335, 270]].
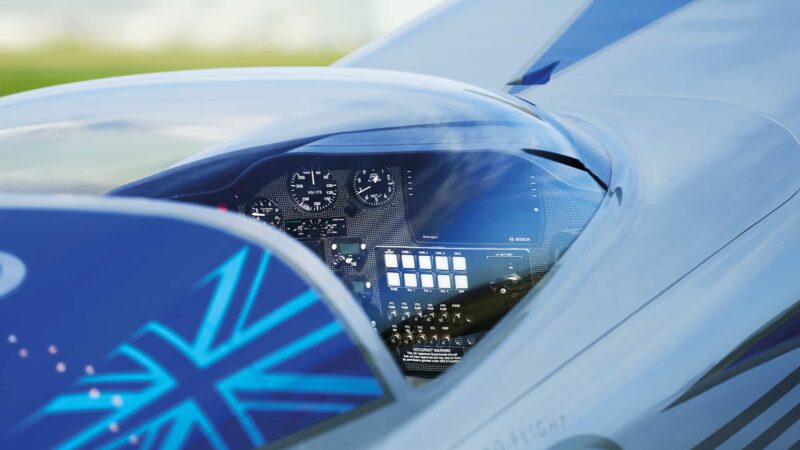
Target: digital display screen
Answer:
[[349, 248], [358, 286], [474, 198]]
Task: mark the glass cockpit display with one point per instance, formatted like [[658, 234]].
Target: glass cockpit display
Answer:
[[460, 198]]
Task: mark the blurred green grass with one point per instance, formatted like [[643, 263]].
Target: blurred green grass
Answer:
[[21, 71]]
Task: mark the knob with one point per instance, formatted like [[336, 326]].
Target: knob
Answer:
[[406, 316], [392, 316], [445, 340], [430, 318], [421, 339], [455, 319], [512, 278], [417, 317], [442, 319], [408, 339], [434, 339], [394, 339], [508, 282]]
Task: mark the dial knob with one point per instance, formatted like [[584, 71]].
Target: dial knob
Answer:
[[513, 278], [338, 260], [394, 339]]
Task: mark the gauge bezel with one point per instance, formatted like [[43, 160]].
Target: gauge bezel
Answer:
[[297, 204], [271, 203], [351, 186]]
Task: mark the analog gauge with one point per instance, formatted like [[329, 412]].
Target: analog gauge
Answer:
[[373, 187], [312, 228], [266, 211], [313, 190]]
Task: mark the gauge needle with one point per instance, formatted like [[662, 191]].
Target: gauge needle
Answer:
[[257, 214], [364, 190], [313, 182]]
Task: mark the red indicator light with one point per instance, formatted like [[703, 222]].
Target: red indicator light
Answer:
[[222, 207]]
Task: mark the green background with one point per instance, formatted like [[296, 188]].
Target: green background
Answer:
[[21, 71]]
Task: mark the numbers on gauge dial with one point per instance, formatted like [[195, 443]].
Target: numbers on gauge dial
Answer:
[[313, 190], [266, 211], [373, 187]]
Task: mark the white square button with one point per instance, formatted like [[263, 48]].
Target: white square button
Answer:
[[390, 260], [444, 281], [461, 281], [408, 261], [393, 279], [459, 263], [424, 262], [441, 263], [427, 280], [410, 279]]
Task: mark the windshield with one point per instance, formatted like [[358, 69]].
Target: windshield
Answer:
[[92, 137]]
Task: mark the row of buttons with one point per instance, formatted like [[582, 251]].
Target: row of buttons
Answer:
[[410, 262], [409, 280]]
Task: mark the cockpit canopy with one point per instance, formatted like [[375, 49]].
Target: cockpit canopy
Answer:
[[439, 205]]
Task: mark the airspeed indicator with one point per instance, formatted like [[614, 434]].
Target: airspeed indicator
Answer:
[[313, 190]]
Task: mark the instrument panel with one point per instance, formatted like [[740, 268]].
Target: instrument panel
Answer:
[[436, 246]]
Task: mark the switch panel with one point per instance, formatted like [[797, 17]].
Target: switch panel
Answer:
[[435, 299]]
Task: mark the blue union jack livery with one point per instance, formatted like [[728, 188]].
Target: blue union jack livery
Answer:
[[508, 225], [248, 355]]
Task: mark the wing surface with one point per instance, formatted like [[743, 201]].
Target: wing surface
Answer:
[[742, 52], [482, 42], [493, 43]]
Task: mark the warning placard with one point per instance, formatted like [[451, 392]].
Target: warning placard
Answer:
[[432, 355]]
